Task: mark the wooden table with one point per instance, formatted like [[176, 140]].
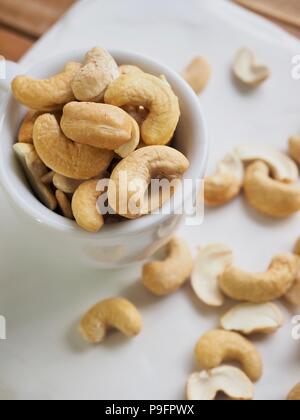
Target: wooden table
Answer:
[[22, 22]]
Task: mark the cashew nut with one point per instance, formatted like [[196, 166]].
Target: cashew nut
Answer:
[[66, 185], [204, 386], [99, 70], [249, 318], [270, 197], [115, 313], [282, 167], [26, 130], [294, 148], [99, 125], [64, 204], [127, 148], [294, 395], [64, 156], [35, 170], [131, 178], [165, 277], [227, 182], [247, 71], [46, 95], [155, 95], [293, 295], [219, 346], [264, 287], [84, 206], [129, 69], [210, 263], [197, 74]]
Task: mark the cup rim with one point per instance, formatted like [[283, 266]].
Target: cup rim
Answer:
[[52, 220]]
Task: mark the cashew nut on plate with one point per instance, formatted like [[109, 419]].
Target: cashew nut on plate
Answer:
[[211, 262], [219, 346], [84, 206], [167, 276], [131, 178], [294, 148], [99, 125], [264, 287], [99, 70], [226, 183], [63, 156], [205, 386], [293, 294], [197, 74], [115, 313], [247, 71], [252, 318], [155, 95], [35, 170], [294, 395], [46, 95], [270, 197], [26, 129]]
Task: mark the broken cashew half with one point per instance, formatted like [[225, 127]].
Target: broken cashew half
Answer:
[[99, 70], [249, 318], [35, 170], [294, 395], [117, 313], [219, 346], [197, 74], [247, 71], [227, 182], [204, 386], [46, 95], [264, 287], [131, 178], [84, 206], [282, 167], [63, 156], [165, 277], [270, 197], [155, 95], [210, 263]]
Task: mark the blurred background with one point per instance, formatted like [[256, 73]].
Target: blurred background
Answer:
[[23, 22]]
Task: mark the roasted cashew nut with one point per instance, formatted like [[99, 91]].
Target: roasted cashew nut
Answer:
[[219, 346], [155, 95], [227, 182], [99, 125], [247, 71], [268, 196], [294, 395], [99, 70], [64, 204], [165, 277], [84, 206], [117, 313], [46, 95], [26, 129], [264, 287], [204, 386], [197, 74], [251, 318], [63, 156], [210, 263], [35, 170], [66, 185], [131, 178]]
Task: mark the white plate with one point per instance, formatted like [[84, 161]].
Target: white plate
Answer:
[[44, 294]]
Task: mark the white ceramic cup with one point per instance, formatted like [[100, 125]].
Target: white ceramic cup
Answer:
[[115, 245]]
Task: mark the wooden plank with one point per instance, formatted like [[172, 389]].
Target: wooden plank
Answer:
[[12, 45], [32, 17]]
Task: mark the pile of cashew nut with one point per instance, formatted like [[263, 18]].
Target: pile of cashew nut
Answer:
[[91, 122]]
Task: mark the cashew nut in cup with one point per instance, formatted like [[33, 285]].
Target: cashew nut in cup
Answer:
[[26, 129], [99, 70], [117, 313], [167, 276], [49, 94], [131, 178], [63, 156], [155, 95], [247, 71], [204, 386], [263, 287], [66, 185], [99, 125], [226, 183], [64, 204], [128, 148], [84, 206], [219, 346], [270, 197]]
